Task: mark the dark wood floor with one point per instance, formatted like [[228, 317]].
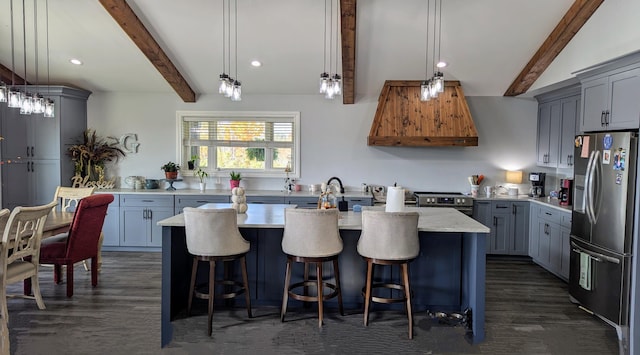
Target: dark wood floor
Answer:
[[528, 312]]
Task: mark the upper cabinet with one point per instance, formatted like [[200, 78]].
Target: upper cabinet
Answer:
[[558, 113], [610, 95]]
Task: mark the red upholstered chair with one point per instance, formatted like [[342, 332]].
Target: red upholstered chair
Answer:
[[80, 243]]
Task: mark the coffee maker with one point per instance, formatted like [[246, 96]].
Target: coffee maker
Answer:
[[537, 184], [566, 192]]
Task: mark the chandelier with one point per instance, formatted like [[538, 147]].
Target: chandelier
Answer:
[[430, 88], [228, 86], [331, 85], [28, 103]]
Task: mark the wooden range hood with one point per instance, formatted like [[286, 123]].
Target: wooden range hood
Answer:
[[403, 120]]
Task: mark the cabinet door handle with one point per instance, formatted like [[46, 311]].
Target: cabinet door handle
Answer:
[[548, 214], [147, 200], [150, 214], [144, 214], [570, 159], [495, 221], [27, 150], [602, 118], [514, 209], [545, 228], [501, 206], [32, 168], [32, 154], [606, 118]]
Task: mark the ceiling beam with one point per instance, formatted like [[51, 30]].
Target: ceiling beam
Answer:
[[6, 77], [348, 35], [569, 25], [135, 29]]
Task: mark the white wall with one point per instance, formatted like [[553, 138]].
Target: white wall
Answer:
[[334, 140]]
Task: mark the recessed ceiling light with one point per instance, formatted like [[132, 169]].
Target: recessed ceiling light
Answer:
[[75, 61], [441, 64], [256, 63]]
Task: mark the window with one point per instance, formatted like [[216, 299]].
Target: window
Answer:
[[261, 144]]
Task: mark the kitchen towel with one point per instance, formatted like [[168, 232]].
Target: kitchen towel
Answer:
[[395, 199], [585, 271]]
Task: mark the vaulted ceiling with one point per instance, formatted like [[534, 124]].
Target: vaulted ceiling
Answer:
[[493, 47]]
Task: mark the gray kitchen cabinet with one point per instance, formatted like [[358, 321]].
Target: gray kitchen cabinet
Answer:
[[36, 147], [362, 201], [558, 112], [139, 216], [534, 231], [111, 226], [552, 231], [302, 202], [509, 225], [611, 101], [266, 199], [182, 201]]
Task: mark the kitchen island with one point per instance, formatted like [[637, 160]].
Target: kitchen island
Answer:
[[448, 274]]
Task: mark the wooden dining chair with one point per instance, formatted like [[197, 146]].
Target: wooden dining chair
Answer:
[[20, 251], [68, 198], [80, 243]]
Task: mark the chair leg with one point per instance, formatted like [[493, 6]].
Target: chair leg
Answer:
[[94, 271], [245, 280], [26, 285], [36, 291], [4, 313], [69, 280], [336, 272], [367, 292], [407, 293], [285, 296], [212, 285], [57, 274], [194, 270], [86, 263], [320, 294]]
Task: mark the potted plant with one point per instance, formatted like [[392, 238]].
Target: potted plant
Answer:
[[202, 175], [192, 162], [170, 170], [91, 155], [235, 179]]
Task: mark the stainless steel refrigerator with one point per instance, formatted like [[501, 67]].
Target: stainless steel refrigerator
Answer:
[[602, 225]]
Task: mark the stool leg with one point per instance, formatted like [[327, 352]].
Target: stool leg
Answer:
[[367, 292], [407, 293], [336, 272], [194, 270], [212, 285], [320, 296], [305, 288], [245, 280], [285, 296]]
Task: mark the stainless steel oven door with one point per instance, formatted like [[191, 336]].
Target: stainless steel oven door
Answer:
[[600, 280]]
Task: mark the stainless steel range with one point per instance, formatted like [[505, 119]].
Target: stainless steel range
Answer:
[[455, 200]]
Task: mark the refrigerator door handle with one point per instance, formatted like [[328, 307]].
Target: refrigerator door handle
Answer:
[[588, 193], [597, 181], [594, 256]]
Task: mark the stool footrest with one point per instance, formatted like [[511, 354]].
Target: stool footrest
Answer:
[[239, 290], [307, 298], [391, 286]]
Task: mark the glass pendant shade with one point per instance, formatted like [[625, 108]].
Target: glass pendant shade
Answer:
[[438, 79], [26, 108], [236, 91], [38, 104], [49, 108], [337, 85], [425, 94], [4, 92], [223, 83], [14, 98], [229, 90], [324, 82]]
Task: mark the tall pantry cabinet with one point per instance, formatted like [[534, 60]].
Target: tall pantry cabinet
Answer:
[[34, 160]]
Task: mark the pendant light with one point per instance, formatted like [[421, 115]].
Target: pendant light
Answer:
[[438, 77], [38, 100], [336, 78], [13, 97], [49, 106], [331, 85], [224, 77], [236, 94], [425, 86], [26, 106]]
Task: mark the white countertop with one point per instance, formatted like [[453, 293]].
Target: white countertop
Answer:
[[432, 219], [544, 201]]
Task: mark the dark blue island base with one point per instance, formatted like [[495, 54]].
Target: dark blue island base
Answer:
[[448, 275]]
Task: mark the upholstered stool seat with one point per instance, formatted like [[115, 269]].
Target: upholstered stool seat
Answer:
[[389, 238], [212, 235], [311, 236]]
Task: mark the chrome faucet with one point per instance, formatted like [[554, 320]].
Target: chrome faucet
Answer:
[[339, 182]]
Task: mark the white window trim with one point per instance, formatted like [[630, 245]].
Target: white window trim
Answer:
[[295, 115]]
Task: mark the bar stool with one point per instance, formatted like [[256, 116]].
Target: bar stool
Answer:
[[212, 235], [389, 238], [311, 236]]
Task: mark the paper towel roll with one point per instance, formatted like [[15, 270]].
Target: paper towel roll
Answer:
[[395, 199]]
